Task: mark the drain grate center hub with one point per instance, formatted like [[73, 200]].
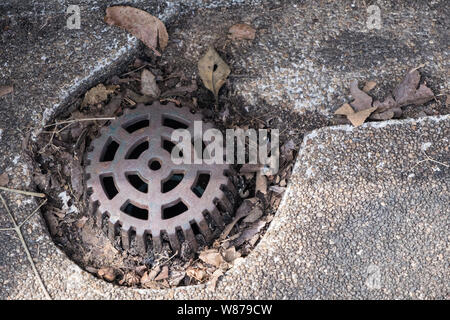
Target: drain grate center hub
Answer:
[[134, 183]]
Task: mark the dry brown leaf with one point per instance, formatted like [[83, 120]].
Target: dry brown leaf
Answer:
[[407, 92], [358, 118], [261, 183], [369, 86], [243, 210], [109, 274], [164, 274], [148, 84], [250, 232], [81, 222], [213, 71], [215, 277], [211, 257], [149, 29], [231, 254], [4, 179], [4, 90], [97, 94], [362, 100], [344, 110], [242, 31], [196, 273], [254, 215]]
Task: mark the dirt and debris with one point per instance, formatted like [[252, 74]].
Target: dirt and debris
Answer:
[[59, 156], [408, 92]]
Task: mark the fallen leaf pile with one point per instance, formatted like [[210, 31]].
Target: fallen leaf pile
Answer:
[[408, 92], [149, 29]]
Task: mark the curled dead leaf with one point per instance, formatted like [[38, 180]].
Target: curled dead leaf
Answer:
[[213, 71], [212, 257], [4, 90], [359, 117], [109, 274], [362, 100], [148, 84], [196, 273], [97, 94], [369, 85], [215, 277], [344, 110], [4, 179], [149, 29], [242, 31], [409, 92]]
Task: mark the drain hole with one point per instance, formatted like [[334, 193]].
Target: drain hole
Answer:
[[137, 125], [109, 187], [154, 165], [174, 210], [138, 150], [137, 182], [195, 228], [172, 182], [174, 124], [200, 185], [134, 211], [110, 151], [169, 145]]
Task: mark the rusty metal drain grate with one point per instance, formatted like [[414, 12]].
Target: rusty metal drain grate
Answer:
[[143, 194]]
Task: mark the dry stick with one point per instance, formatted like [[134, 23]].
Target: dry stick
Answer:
[[27, 193], [25, 246], [27, 218], [79, 120], [428, 158]]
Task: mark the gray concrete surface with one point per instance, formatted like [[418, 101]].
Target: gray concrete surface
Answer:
[[357, 222]]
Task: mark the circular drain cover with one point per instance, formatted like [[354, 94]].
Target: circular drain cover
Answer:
[[134, 183]]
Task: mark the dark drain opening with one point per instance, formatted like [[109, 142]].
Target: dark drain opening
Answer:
[[169, 145], [138, 150], [172, 182], [135, 211], [109, 186], [110, 151], [174, 124], [137, 182], [200, 185], [137, 125], [174, 210], [155, 165]]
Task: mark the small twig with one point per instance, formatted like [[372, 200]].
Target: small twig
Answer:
[[428, 158], [32, 214], [79, 120], [27, 193], [25, 246]]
